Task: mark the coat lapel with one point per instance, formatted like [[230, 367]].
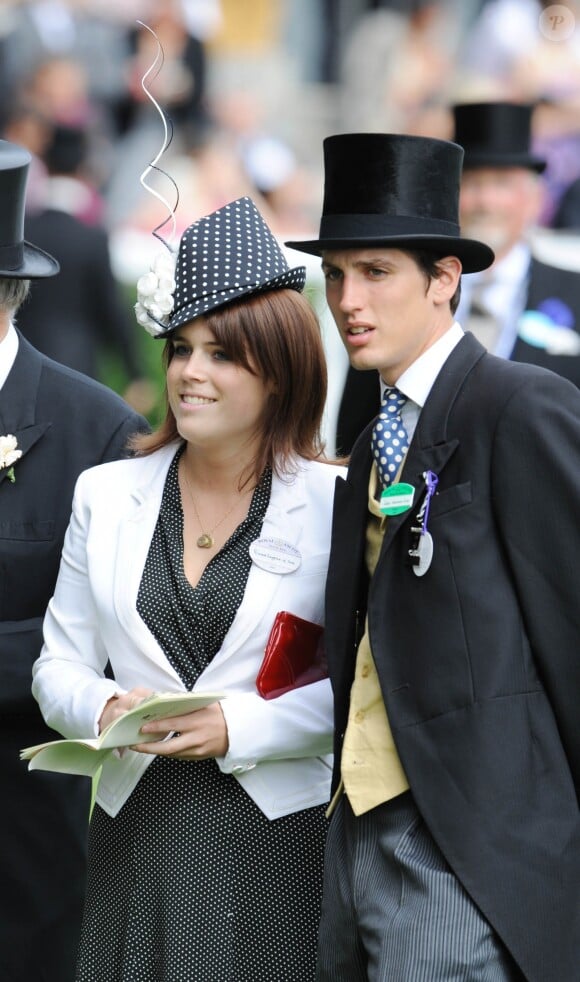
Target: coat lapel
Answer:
[[431, 447], [134, 539], [350, 513], [18, 399], [346, 580], [432, 427]]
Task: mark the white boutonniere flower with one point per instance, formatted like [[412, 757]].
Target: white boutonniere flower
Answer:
[[155, 299], [9, 454]]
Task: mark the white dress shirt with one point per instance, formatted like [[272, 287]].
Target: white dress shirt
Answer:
[[8, 352], [417, 381], [504, 295]]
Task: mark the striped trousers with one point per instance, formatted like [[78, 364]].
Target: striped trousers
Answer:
[[392, 909]]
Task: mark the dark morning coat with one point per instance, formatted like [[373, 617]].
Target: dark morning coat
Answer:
[[361, 395], [64, 423], [79, 315], [479, 659]]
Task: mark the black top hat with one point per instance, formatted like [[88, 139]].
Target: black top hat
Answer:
[[225, 256], [394, 190], [495, 134], [19, 260]]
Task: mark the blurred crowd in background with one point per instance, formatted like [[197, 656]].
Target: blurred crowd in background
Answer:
[[251, 88]]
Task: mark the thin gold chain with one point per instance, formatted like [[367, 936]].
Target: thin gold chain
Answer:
[[205, 540]]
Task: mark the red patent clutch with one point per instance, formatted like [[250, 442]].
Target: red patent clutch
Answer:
[[294, 656]]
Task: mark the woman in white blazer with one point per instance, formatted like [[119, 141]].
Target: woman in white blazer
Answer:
[[206, 845]]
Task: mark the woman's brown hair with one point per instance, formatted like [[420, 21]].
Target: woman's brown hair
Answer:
[[276, 336]]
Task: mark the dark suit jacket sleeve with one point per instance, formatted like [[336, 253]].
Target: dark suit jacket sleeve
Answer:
[[117, 445], [536, 492], [81, 424]]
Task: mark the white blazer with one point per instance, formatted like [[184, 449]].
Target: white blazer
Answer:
[[279, 748]]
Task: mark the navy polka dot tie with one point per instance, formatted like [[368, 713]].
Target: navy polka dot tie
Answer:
[[389, 442]]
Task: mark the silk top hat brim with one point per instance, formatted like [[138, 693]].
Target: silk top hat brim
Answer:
[[474, 255], [396, 191], [18, 259], [227, 256], [32, 263], [496, 134]]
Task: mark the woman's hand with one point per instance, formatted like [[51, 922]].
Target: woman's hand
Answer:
[[118, 705], [197, 735]]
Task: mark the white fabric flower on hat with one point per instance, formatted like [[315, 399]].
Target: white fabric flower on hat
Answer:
[[155, 289], [9, 454]]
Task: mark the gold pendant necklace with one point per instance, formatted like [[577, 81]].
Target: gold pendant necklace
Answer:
[[206, 539]]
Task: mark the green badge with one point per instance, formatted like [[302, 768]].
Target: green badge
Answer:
[[396, 499]]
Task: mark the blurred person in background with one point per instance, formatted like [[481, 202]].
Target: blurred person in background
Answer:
[[181, 87], [60, 34], [79, 316], [567, 215], [181, 29], [59, 89], [208, 173], [23, 123], [502, 32], [521, 308], [397, 62], [528, 51], [266, 159], [54, 423]]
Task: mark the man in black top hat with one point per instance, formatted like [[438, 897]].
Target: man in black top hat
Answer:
[[519, 308], [452, 620], [54, 423]]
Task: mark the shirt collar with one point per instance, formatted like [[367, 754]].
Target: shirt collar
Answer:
[[8, 352], [509, 270], [513, 267], [417, 381]]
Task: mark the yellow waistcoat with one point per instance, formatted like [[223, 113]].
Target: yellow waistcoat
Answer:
[[370, 767]]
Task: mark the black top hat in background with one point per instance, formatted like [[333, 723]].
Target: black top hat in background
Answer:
[[496, 134], [19, 260], [397, 191]]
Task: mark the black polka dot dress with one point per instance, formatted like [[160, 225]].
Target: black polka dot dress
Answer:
[[191, 882]]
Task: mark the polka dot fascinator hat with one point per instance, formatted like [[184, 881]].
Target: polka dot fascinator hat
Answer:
[[225, 256]]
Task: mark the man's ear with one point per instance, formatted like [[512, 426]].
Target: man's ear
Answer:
[[445, 284]]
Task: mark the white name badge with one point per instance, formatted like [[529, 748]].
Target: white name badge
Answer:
[[275, 555]]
